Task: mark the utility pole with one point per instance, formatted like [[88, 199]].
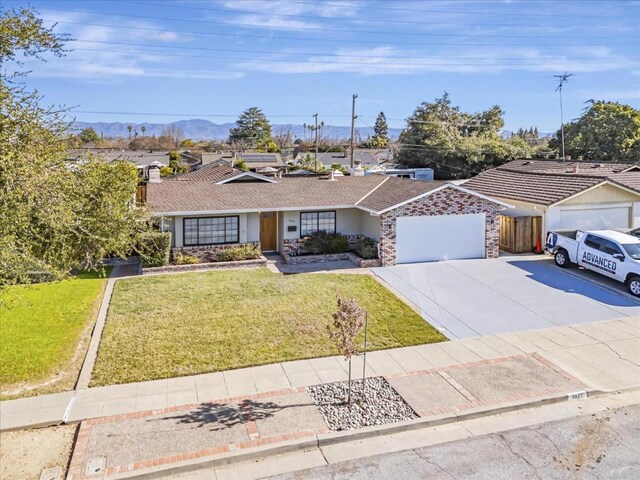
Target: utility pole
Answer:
[[353, 125], [563, 79], [315, 128]]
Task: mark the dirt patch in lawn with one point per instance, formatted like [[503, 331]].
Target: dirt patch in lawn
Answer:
[[25, 453]]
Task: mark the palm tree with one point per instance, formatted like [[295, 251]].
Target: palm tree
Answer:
[[130, 128], [144, 129]]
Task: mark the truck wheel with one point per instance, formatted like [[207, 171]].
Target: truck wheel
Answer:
[[634, 286], [562, 259]]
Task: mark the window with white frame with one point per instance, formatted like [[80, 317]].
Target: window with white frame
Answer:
[[311, 222], [210, 230]]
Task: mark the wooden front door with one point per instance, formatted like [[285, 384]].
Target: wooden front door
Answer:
[[268, 229]]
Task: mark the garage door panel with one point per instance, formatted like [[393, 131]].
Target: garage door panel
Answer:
[[593, 218], [440, 237]]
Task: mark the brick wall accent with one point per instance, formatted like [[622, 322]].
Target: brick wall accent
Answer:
[[204, 251], [448, 201]]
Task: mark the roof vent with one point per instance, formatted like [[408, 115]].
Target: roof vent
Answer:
[[575, 168]]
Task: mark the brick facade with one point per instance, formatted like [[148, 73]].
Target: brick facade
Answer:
[[448, 201]]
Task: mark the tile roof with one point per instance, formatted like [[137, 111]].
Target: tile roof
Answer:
[[547, 182], [534, 187], [558, 167], [374, 193], [215, 172]]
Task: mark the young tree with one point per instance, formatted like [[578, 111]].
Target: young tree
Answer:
[[89, 135], [252, 129], [381, 132], [348, 322]]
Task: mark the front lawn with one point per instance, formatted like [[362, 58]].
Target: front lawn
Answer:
[[43, 333], [185, 324]]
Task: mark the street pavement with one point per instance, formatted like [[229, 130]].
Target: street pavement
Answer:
[[602, 445], [473, 298]]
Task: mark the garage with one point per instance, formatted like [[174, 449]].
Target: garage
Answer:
[[594, 217], [440, 237]]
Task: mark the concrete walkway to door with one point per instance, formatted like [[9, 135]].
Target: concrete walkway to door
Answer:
[[472, 298]]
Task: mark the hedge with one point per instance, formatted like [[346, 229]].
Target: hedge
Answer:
[[154, 248]]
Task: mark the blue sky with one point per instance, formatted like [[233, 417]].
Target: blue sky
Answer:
[[189, 58]]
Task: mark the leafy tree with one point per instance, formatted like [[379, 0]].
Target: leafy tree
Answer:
[[456, 144], [381, 132], [53, 216], [348, 322], [187, 143], [89, 135], [252, 130], [607, 131]]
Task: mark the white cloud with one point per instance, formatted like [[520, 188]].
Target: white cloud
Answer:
[[393, 61], [93, 61]]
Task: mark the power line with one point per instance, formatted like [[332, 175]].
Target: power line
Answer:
[[370, 64], [326, 40], [342, 18], [368, 6], [319, 54], [324, 29]]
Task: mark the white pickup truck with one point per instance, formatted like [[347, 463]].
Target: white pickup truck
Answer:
[[610, 253]]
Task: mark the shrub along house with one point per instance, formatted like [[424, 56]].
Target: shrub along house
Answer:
[[218, 206]]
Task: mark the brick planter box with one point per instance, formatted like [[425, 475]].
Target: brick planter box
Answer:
[[332, 257], [258, 262]]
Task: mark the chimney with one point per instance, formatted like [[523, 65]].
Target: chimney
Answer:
[[332, 178], [357, 171], [154, 172], [575, 168]]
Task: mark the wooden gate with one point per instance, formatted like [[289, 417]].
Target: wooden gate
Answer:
[[520, 234]]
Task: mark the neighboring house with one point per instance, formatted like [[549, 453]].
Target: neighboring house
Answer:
[[367, 158], [412, 173], [565, 195], [255, 161], [219, 206], [142, 159]]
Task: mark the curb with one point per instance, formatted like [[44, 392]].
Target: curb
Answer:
[[334, 438]]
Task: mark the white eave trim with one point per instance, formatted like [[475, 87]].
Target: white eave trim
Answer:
[[247, 174], [442, 187], [191, 213]]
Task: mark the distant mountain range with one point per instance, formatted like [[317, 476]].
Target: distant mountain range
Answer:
[[198, 129]]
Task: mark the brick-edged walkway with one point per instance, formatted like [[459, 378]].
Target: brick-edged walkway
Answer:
[[169, 436]]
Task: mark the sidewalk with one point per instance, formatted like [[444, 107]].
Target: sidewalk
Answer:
[[603, 356], [175, 436]]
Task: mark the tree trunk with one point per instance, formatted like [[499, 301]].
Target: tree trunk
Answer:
[[349, 384]]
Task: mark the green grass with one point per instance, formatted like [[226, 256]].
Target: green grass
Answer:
[[184, 324], [41, 327]]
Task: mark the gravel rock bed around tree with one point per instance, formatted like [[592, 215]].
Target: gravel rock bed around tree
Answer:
[[380, 405]]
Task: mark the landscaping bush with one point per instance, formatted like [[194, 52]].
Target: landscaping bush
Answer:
[[320, 243], [154, 248], [185, 259], [241, 252], [366, 248]]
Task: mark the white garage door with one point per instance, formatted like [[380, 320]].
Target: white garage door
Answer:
[[593, 218], [441, 237]]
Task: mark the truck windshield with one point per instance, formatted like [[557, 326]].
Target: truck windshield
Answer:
[[633, 249]]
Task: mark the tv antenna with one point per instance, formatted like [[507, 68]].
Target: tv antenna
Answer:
[[562, 80]]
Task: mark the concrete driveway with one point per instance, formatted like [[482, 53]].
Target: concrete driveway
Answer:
[[471, 298]]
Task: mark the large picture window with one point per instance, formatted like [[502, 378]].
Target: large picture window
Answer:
[[311, 222], [210, 230]]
